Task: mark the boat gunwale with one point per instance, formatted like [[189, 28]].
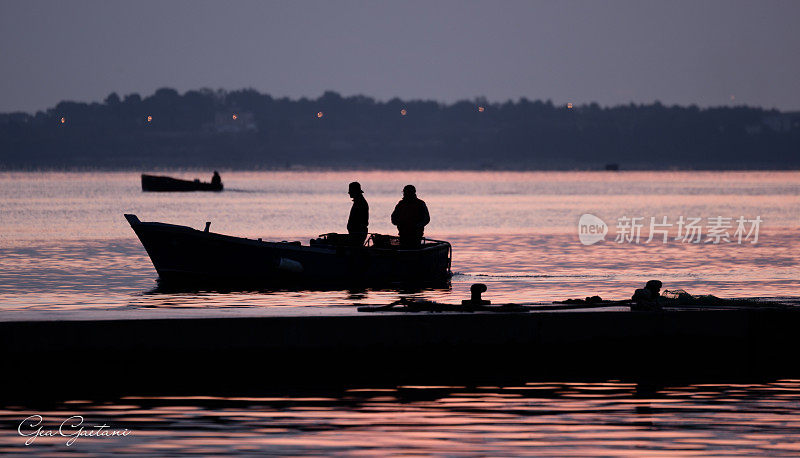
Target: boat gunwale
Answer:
[[437, 244]]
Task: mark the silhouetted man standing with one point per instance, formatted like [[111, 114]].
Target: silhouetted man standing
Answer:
[[410, 216], [359, 215]]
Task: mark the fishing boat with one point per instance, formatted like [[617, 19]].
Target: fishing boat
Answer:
[[155, 183], [184, 254]]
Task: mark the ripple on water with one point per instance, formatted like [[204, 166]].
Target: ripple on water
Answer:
[[551, 419]]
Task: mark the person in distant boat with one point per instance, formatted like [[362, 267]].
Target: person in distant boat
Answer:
[[410, 216], [359, 215], [216, 180], [647, 298]]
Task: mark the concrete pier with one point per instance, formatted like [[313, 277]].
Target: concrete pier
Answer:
[[455, 348]]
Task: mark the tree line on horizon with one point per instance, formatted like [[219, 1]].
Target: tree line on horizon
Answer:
[[246, 129]]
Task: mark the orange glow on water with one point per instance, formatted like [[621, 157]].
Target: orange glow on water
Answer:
[[319, 114], [549, 418], [522, 212]]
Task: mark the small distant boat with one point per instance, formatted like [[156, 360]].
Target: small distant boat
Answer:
[[155, 183], [183, 254]]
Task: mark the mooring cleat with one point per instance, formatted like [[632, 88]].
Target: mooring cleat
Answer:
[[476, 289]]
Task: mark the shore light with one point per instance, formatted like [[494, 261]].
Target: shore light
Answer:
[[149, 118], [319, 114], [569, 105], [63, 120], [480, 109], [403, 112], [235, 117]]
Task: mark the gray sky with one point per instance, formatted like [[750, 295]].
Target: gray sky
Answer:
[[611, 52]]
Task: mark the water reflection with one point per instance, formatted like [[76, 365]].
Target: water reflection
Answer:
[[544, 418], [64, 244], [70, 275], [172, 295]]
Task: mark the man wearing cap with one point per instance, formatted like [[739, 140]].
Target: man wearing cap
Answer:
[[359, 215], [410, 216]]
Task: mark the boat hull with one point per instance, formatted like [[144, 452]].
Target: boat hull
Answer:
[[154, 183], [183, 254]]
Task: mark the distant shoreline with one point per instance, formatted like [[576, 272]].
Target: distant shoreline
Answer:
[[248, 130]]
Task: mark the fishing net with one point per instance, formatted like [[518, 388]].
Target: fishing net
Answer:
[[681, 297]]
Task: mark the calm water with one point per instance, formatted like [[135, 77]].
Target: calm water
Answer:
[[549, 419], [64, 246]]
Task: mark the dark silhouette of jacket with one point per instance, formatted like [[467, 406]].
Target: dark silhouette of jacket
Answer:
[[358, 221], [410, 216]]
